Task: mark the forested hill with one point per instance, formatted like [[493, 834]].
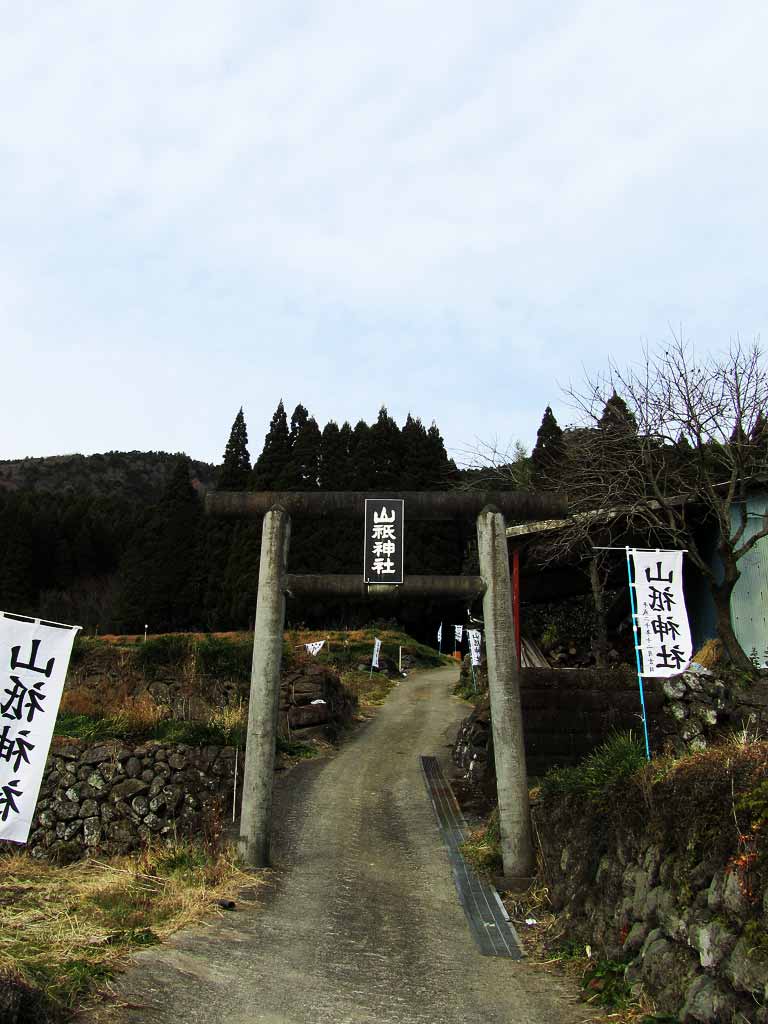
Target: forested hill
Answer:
[[114, 541], [139, 476]]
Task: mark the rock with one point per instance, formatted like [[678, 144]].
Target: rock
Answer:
[[102, 752], [65, 810], [706, 1002], [88, 809], [151, 821], [97, 781], [734, 900], [92, 831], [640, 894], [127, 789], [635, 938], [140, 805], [68, 830], [121, 832], [715, 891], [177, 762], [64, 852], [674, 688], [713, 941], [147, 775], [132, 767], [707, 715], [678, 711], [747, 969]]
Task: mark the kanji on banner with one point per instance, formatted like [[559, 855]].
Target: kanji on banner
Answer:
[[475, 645], [664, 633], [315, 648], [34, 656], [383, 543], [376, 650], [440, 633], [458, 632]]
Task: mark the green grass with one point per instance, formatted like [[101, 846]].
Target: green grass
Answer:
[[482, 851], [618, 759]]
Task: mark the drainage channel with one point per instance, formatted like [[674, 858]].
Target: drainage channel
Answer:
[[487, 918]]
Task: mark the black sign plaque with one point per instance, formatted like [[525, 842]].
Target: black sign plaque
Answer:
[[383, 544]]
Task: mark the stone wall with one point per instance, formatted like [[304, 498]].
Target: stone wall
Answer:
[[569, 712], [113, 796], [677, 903]]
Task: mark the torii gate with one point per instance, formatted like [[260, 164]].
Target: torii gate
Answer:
[[493, 583]]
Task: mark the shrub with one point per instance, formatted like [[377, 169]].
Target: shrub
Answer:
[[614, 761]]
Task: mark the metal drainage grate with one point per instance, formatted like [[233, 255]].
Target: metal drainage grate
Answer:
[[486, 915]]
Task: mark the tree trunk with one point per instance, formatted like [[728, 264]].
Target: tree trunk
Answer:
[[601, 627], [721, 595]]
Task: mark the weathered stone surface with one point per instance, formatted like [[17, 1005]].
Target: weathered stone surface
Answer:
[[101, 752], [97, 781], [747, 969], [140, 805], [115, 804], [635, 938], [706, 1002], [121, 832], [734, 900], [65, 810], [674, 688], [713, 941], [127, 789], [132, 767], [88, 809], [92, 831]]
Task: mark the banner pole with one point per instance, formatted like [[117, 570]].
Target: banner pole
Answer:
[[636, 640]]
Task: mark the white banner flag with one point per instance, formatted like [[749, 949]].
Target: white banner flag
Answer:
[[458, 632], [34, 656], [315, 648], [376, 649], [440, 633], [665, 636], [475, 642]]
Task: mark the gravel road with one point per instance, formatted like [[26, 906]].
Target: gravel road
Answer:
[[360, 922]]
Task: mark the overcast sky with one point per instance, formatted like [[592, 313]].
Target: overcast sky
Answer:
[[445, 210]]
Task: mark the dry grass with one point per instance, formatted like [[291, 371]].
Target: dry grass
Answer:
[[710, 654], [64, 930], [230, 719], [370, 691]]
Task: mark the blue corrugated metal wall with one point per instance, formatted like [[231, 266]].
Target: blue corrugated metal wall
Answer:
[[749, 602]]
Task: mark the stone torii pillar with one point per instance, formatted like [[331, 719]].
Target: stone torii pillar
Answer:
[[493, 583], [504, 692], [264, 703]]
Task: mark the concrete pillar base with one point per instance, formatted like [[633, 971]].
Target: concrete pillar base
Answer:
[[517, 884]]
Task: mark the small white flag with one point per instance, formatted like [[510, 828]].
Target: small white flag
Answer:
[[458, 632], [475, 641], [440, 633], [34, 656], [376, 649], [315, 647]]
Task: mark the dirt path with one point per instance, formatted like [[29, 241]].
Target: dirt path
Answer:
[[362, 923]]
